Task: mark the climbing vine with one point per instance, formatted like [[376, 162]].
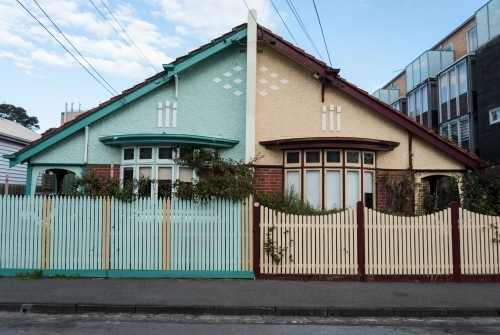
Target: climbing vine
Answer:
[[272, 248]]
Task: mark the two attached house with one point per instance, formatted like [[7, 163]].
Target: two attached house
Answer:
[[249, 93]]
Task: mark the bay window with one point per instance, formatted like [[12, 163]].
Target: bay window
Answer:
[[331, 178]]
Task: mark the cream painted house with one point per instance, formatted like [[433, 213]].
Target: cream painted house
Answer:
[[336, 144]]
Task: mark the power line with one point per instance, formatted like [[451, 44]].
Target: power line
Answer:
[[75, 47], [322, 33], [127, 34], [297, 16], [121, 36], [285, 24], [65, 48]]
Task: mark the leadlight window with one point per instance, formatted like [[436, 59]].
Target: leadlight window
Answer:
[[368, 158], [332, 156], [128, 154], [165, 153], [146, 153], [353, 157], [313, 157], [293, 157]]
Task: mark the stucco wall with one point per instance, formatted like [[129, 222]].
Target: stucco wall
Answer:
[[295, 110], [428, 157], [204, 107]]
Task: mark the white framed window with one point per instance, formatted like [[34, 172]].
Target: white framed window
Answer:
[[368, 159], [165, 154], [353, 188], [333, 189], [471, 39], [128, 155], [368, 188], [145, 154], [448, 47], [313, 187], [127, 173], [312, 157], [352, 158], [458, 132], [292, 158], [495, 115], [333, 157], [292, 181]]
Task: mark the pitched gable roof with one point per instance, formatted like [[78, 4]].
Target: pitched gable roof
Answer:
[[332, 76], [128, 95]]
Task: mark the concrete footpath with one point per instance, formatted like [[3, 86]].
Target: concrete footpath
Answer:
[[249, 297]]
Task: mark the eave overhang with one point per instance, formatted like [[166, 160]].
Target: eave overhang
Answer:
[[168, 139], [330, 142]]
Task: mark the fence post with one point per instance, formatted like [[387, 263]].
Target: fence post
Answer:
[[6, 190], [256, 240], [361, 240], [455, 241]]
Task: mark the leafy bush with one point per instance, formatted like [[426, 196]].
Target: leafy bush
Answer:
[[289, 202], [481, 193]]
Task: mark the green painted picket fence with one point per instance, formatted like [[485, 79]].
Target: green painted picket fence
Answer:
[[109, 237]]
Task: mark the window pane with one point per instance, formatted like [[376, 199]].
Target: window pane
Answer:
[[165, 153], [313, 188], [292, 157], [353, 157], [464, 134], [145, 172], [185, 151], [453, 84], [495, 115], [352, 188], [472, 40], [494, 17], [462, 80], [128, 154], [145, 153], [164, 173], [333, 156], [454, 133], [482, 26], [293, 181], [368, 189], [128, 173], [186, 174], [368, 158], [332, 189], [312, 157]]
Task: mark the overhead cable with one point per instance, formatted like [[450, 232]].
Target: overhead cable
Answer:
[[297, 16], [322, 33], [130, 38], [285, 24], [124, 40], [65, 48], [74, 47]]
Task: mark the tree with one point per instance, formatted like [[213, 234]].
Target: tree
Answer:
[[48, 131], [19, 115]]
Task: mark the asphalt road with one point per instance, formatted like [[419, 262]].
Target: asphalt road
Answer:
[[15, 323]]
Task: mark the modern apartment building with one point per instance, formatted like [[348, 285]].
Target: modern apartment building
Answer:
[[454, 87]]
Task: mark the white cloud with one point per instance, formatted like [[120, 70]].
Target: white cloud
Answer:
[[211, 18], [41, 55], [22, 62]]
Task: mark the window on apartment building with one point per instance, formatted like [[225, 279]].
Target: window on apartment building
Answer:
[[448, 47], [419, 105], [458, 132], [495, 115], [453, 97], [331, 178], [471, 39], [488, 22]]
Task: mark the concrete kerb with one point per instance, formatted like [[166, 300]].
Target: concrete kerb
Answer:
[[254, 311]]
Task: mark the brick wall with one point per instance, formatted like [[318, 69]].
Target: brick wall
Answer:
[[458, 40], [103, 170], [386, 200], [269, 180]]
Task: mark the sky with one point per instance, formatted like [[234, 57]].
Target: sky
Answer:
[[369, 40]]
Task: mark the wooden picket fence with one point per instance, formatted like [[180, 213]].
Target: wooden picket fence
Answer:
[[371, 245], [325, 244], [211, 238]]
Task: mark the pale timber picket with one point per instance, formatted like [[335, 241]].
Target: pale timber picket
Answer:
[[479, 247], [20, 232], [206, 235], [325, 244], [136, 235], [396, 245], [75, 233]]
